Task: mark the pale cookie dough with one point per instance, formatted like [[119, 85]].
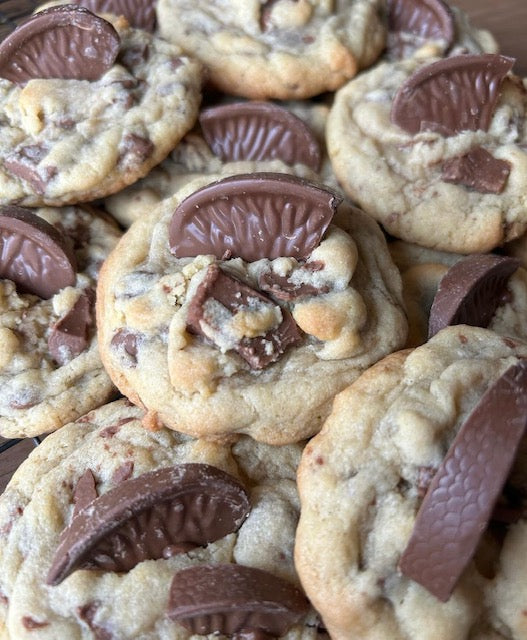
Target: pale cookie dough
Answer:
[[279, 48], [193, 158], [79, 140], [40, 394], [91, 604], [396, 177], [361, 481], [196, 388]]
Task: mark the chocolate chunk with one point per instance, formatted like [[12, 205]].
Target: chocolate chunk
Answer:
[[233, 599], [253, 216], [88, 614], [464, 491], [141, 517], [33, 254], [123, 472], [428, 19], [135, 150], [139, 13], [24, 163], [69, 336], [471, 291], [282, 288], [84, 492], [259, 131], [477, 169], [67, 42], [452, 95], [236, 297], [126, 342]]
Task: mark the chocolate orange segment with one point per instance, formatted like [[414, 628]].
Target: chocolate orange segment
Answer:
[[471, 291], [139, 13], [429, 19], [66, 42], [235, 600], [452, 95], [148, 517], [33, 254], [259, 131], [253, 216], [463, 493]]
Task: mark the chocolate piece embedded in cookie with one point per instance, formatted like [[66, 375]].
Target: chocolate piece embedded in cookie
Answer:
[[470, 291], [428, 19], [61, 42], [477, 169], [139, 13], [235, 600], [33, 254], [70, 335], [259, 131], [462, 495], [253, 216], [451, 95], [190, 503]]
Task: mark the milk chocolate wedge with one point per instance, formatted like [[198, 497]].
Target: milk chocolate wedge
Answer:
[[235, 600], [253, 216], [259, 131], [139, 13], [66, 41], [69, 337], [33, 254], [470, 291], [430, 19], [463, 493], [151, 517], [452, 95]]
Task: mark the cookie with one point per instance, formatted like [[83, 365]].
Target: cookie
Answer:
[[227, 510], [80, 131], [405, 145], [277, 49], [368, 482], [243, 137], [217, 328], [50, 369]]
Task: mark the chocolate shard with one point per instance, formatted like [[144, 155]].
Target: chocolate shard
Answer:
[[232, 599], [477, 169], [69, 337], [259, 131], [33, 254], [142, 517], [471, 291], [66, 41], [286, 289], [24, 163], [85, 492], [253, 216], [451, 95], [221, 300], [428, 19], [126, 342], [139, 13], [463, 493]]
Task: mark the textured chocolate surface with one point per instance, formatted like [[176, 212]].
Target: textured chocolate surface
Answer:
[[67, 42], [139, 13], [143, 517], [69, 337], [33, 254], [234, 599], [236, 296], [429, 19], [471, 291], [253, 216], [452, 95], [477, 169], [462, 495], [259, 131]]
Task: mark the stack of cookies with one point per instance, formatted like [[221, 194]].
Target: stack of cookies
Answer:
[[263, 289]]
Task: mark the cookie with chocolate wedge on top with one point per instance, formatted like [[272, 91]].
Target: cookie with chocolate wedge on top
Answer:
[[243, 304]]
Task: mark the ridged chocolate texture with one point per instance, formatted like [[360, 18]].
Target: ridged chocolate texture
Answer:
[[67, 42], [235, 296], [477, 169], [235, 600], [430, 19], [253, 216], [259, 131], [33, 254], [471, 291], [461, 497], [139, 13], [452, 95], [69, 336], [149, 516]]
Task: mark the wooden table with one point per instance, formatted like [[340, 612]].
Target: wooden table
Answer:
[[507, 19]]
